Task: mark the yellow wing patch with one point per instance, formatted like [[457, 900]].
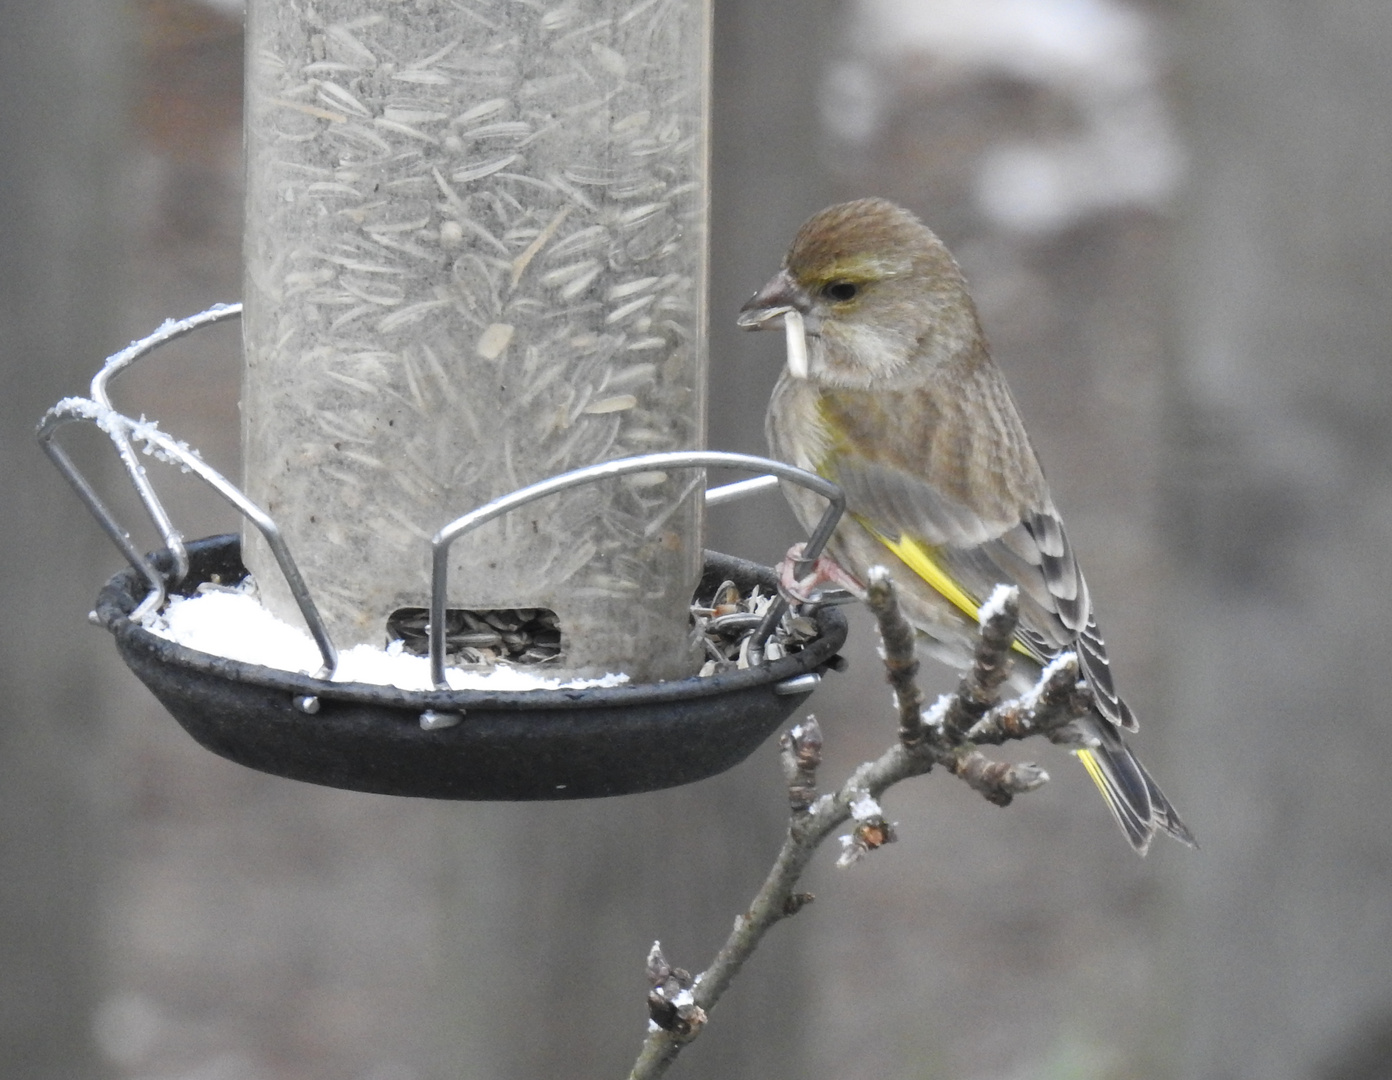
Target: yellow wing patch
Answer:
[[919, 558]]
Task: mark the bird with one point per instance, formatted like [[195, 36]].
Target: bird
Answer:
[[890, 391]]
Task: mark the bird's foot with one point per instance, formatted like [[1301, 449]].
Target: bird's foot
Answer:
[[807, 588]]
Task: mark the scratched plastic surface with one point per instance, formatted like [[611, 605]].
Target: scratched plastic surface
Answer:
[[475, 258]]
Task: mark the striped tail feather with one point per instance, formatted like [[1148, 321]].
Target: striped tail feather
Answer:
[[1133, 797]]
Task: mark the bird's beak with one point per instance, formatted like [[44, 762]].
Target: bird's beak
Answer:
[[783, 301], [780, 296]]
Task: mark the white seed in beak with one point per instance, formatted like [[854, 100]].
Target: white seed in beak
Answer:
[[796, 334]]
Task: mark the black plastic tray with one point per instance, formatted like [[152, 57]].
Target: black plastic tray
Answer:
[[536, 744]]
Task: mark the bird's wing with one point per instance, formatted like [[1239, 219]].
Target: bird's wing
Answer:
[[963, 547], [964, 554]]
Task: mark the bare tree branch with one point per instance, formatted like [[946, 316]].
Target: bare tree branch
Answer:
[[900, 658], [947, 735]]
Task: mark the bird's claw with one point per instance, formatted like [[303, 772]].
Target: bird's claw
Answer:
[[805, 589]]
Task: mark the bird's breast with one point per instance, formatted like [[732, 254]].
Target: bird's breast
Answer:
[[796, 425]]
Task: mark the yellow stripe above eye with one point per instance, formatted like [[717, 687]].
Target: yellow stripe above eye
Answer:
[[919, 558]]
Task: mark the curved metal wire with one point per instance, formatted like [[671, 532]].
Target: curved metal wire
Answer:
[[728, 493], [113, 423], [676, 459], [115, 364], [125, 432], [54, 419]]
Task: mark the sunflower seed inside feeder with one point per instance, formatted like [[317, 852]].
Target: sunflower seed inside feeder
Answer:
[[479, 239]]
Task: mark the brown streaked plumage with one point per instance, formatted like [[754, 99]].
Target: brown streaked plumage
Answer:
[[903, 407]]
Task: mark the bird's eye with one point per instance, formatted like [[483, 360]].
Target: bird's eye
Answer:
[[841, 291]]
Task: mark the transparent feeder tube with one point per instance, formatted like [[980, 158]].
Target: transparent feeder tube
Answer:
[[476, 258]]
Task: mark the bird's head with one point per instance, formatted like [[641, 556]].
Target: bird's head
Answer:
[[878, 294]]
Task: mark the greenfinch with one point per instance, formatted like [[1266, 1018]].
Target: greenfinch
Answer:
[[890, 392]]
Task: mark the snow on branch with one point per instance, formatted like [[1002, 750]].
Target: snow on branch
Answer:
[[947, 734]]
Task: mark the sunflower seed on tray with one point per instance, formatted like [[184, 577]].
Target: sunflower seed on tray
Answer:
[[728, 621]]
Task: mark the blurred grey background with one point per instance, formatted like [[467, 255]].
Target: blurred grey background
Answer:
[[1176, 220]]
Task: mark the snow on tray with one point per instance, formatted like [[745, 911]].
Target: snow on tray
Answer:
[[232, 623]]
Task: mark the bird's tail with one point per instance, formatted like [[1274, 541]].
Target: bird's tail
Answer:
[[1135, 800]]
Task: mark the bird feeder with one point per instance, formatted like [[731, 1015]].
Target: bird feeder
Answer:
[[474, 389], [476, 258]]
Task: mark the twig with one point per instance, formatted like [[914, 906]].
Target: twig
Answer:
[[800, 751], [1059, 699], [980, 687], [900, 659], [946, 735]]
